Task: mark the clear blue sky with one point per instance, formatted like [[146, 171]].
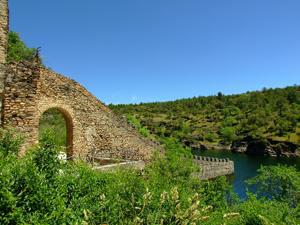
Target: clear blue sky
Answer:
[[127, 51]]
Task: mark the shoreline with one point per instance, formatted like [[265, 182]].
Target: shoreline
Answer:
[[258, 147]]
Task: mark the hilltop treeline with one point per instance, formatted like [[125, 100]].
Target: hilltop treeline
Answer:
[[220, 119]]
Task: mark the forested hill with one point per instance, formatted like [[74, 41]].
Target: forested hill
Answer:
[[220, 120]]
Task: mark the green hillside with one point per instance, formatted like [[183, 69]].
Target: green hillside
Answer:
[[220, 120]]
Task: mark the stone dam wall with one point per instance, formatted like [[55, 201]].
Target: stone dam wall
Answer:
[[209, 167], [213, 167]]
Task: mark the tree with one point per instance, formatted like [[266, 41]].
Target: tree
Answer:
[[220, 95], [228, 134], [280, 183]]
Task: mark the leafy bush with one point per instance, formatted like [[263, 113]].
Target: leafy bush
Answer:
[[280, 183], [45, 156], [228, 134], [52, 121], [39, 189], [9, 142], [136, 123], [211, 137], [17, 50]]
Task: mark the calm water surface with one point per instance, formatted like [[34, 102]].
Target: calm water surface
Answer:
[[246, 166]]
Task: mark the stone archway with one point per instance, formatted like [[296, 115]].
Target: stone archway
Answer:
[[27, 90], [68, 124], [31, 90]]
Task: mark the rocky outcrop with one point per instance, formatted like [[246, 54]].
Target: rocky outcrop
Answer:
[[208, 146], [267, 147]]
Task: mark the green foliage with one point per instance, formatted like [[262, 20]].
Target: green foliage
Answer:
[[255, 211], [9, 142], [136, 123], [17, 50], [174, 167], [53, 123], [271, 113], [228, 134], [39, 189], [210, 137], [45, 157], [218, 193], [278, 182]]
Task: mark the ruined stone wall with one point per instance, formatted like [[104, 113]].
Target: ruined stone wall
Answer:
[[3, 30], [28, 90], [92, 128], [19, 98], [214, 167], [3, 45]]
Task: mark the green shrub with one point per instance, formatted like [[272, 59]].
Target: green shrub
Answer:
[[17, 50], [9, 142], [228, 134], [39, 189], [280, 183], [211, 137], [52, 121], [136, 123], [45, 156]]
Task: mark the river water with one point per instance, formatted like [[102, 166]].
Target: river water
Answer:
[[246, 166]]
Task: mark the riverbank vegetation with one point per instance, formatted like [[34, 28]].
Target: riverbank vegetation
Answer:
[[40, 189], [220, 120]]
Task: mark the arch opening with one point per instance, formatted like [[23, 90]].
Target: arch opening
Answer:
[[58, 123]]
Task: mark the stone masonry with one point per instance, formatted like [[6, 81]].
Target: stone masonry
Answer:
[[3, 30], [3, 45], [27, 90], [92, 128], [213, 167]]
